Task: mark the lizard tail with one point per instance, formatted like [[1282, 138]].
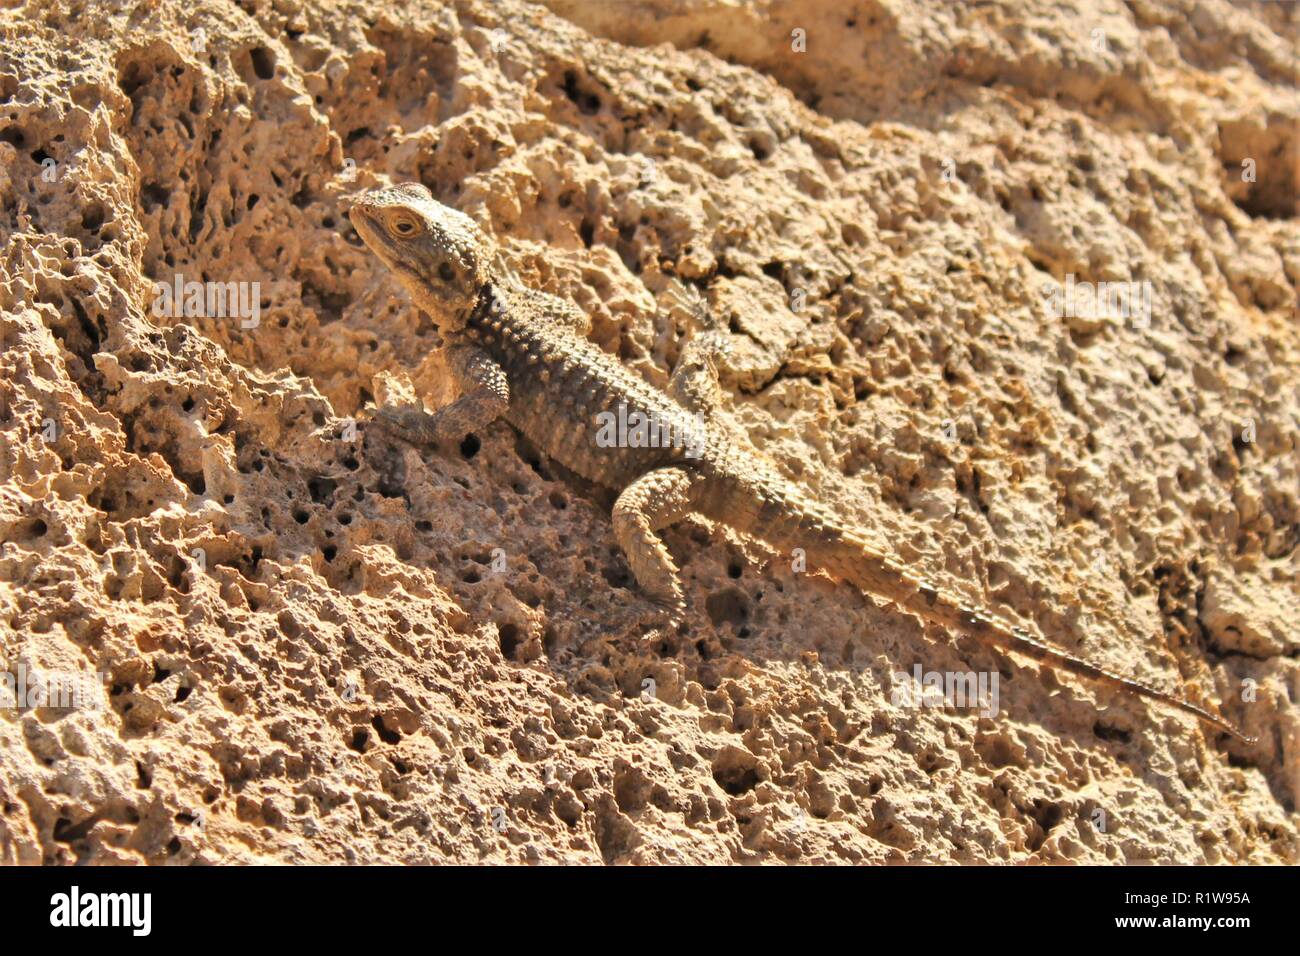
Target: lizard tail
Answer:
[[926, 601], [786, 524]]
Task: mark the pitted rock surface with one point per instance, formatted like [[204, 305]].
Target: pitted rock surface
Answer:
[[317, 649]]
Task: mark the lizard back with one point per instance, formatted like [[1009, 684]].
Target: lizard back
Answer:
[[569, 397]]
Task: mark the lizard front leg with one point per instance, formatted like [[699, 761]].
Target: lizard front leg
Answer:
[[484, 396], [654, 501], [694, 382]]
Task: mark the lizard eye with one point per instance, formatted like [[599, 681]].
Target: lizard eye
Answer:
[[446, 273], [402, 225]]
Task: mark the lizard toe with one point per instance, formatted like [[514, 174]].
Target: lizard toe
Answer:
[[669, 610]]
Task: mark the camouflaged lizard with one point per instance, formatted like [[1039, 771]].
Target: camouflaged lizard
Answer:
[[523, 355]]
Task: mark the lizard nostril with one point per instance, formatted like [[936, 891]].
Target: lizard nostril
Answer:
[[347, 229], [446, 273]]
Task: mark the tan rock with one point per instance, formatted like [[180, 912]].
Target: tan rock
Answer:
[[322, 648]]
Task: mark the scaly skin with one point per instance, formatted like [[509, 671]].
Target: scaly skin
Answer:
[[523, 355]]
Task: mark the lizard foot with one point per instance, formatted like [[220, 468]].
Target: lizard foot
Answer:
[[651, 619], [665, 615]]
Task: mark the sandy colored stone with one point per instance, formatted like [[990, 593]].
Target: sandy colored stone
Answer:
[[316, 647]]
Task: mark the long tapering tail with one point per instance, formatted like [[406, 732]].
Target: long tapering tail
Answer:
[[925, 600], [787, 521]]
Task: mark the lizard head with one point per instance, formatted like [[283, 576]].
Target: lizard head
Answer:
[[438, 254]]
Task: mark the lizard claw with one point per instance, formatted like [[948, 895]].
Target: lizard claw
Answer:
[[669, 613]]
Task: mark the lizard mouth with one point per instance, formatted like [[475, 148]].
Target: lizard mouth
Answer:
[[359, 216], [364, 222]]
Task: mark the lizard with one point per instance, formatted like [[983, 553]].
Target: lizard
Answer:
[[523, 355]]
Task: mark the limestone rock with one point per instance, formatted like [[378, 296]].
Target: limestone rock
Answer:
[[310, 645]]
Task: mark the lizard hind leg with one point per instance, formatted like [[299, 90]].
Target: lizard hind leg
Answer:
[[652, 502]]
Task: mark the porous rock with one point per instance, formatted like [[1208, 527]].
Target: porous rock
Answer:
[[309, 644]]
